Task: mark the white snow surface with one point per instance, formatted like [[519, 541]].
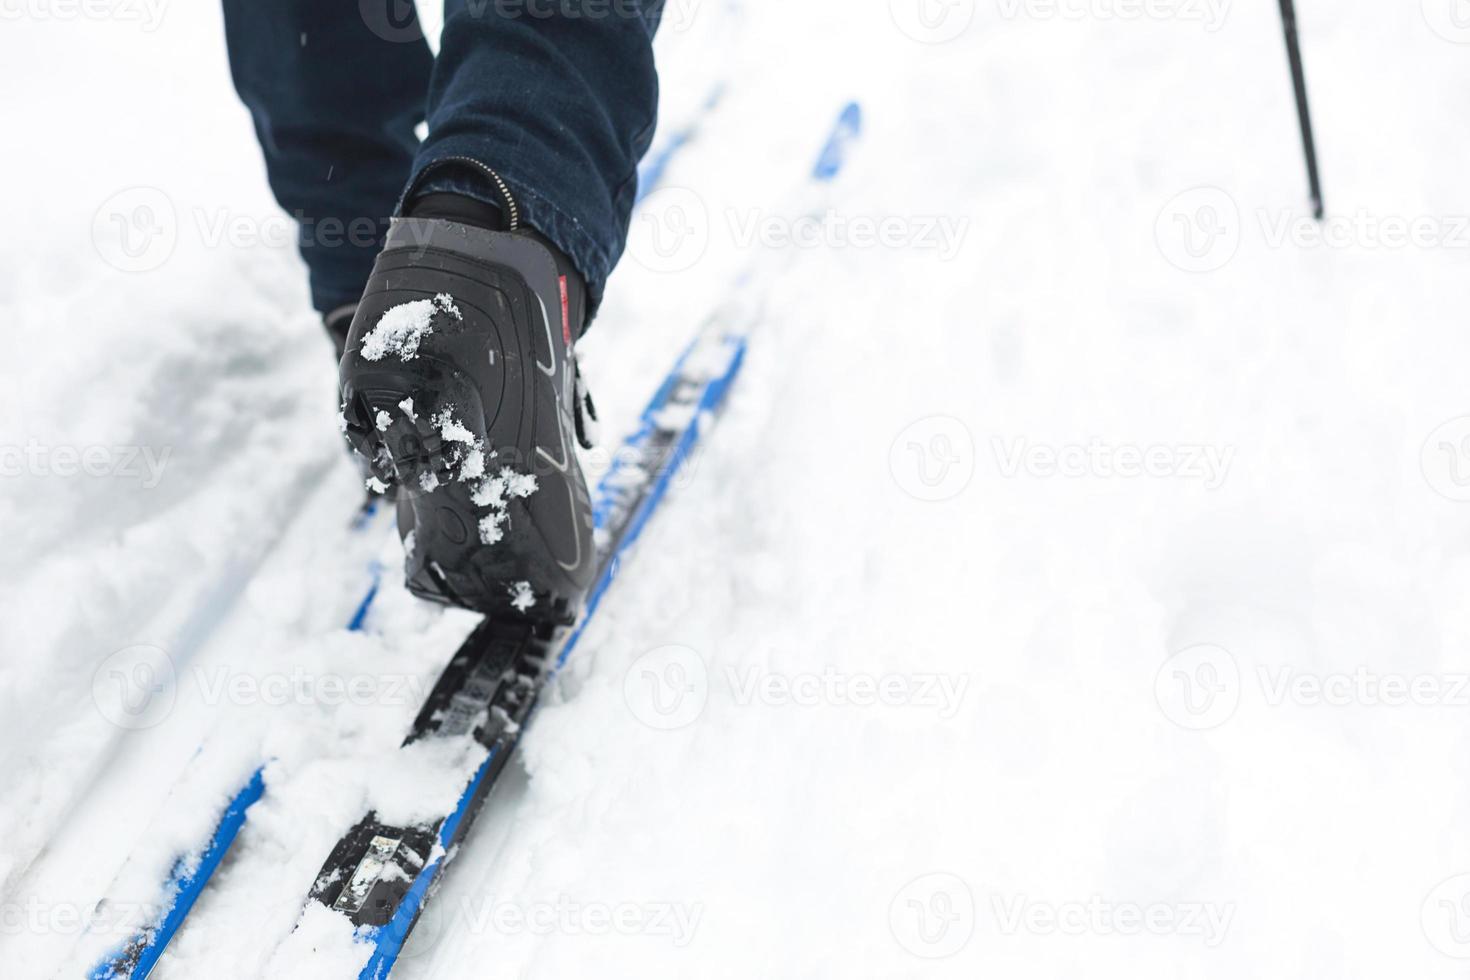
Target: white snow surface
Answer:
[[1050, 572]]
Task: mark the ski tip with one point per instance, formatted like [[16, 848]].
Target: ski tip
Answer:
[[845, 131]]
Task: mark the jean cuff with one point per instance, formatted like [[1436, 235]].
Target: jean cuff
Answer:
[[590, 257]]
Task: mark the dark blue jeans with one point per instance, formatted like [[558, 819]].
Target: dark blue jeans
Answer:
[[558, 97]]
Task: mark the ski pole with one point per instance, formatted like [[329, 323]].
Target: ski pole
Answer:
[[1299, 81]]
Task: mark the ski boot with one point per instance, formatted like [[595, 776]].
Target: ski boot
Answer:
[[460, 391]]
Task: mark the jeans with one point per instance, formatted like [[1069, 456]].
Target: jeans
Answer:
[[557, 97]]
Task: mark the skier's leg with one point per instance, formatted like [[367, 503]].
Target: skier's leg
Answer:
[[459, 383], [335, 92], [557, 97]]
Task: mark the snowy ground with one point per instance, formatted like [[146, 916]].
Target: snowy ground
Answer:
[[1074, 588]]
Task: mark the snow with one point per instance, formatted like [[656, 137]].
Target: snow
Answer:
[[1047, 575], [425, 779], [674, 418], [401, 329], [495, 493], [522, 596], [473, 466], [518, 485], [492, 528], [330, 938], [452, 429], [469, 455], [490, 493]]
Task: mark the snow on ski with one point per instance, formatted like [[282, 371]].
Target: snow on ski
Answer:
[[135, 956], [190, 873], [378, 878]]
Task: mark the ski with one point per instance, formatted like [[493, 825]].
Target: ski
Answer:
[[138, 952], [380, 874], [135, 956]]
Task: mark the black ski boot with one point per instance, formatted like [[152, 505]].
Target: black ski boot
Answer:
[[459, 388], [337, 323]]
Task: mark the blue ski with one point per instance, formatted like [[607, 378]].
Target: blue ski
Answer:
[[136, 956], [621, 509], [379, 876]]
